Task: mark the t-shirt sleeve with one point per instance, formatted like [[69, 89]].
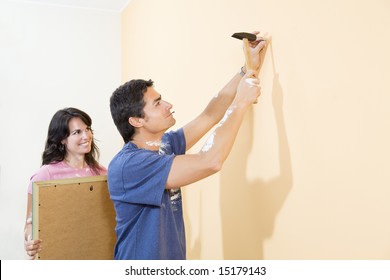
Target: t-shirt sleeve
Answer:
[[145, 176], [141, 177], [175, 141], [42, 174]]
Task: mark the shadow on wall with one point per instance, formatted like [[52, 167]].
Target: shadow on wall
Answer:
[[249, 208]]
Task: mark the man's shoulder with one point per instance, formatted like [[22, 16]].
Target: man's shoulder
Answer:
[[130, 155]]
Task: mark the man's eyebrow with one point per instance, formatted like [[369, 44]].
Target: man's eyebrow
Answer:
[[157, 100]]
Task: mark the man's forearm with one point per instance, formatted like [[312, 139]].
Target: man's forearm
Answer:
[[220, 142], [213, 113], [219, 104]]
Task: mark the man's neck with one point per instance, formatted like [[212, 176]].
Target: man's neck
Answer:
[[147, 143]]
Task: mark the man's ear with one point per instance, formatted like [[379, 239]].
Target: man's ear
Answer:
[[136, 122]]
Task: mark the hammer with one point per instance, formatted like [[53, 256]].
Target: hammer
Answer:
[[246, 37]]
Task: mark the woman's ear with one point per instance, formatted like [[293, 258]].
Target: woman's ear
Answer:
[[136, 122]]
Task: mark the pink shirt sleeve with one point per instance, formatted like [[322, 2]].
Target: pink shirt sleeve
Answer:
[[42, 174]]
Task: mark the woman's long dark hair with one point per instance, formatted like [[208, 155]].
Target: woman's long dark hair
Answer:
[[59, 130]]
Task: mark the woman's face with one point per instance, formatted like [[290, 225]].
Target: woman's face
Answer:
[[79, 141]]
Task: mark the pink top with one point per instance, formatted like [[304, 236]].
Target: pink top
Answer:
[[61, 170]]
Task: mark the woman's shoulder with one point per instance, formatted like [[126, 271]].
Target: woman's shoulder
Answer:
[[46, 171], [102, 170]]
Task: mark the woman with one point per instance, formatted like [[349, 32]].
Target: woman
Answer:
[[70, 151]]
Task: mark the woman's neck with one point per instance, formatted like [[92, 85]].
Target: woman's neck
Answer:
[[76, 162]]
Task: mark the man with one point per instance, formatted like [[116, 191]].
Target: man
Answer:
[[145, 177]]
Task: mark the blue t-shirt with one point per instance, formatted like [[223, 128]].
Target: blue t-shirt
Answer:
[[149, 218]]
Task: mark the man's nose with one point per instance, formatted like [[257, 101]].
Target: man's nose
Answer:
[[168, 105]]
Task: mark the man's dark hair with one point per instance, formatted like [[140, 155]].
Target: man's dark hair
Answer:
[[128, 101]]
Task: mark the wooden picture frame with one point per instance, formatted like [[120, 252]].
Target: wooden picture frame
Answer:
[[74, 218]]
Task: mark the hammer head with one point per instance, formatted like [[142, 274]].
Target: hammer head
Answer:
[[245, 35]]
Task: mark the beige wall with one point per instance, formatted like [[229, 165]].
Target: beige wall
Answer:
[[309, 175]]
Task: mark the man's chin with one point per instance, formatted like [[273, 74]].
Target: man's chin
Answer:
[[172, 123]]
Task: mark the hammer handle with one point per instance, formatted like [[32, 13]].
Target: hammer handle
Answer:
[[248, 60]]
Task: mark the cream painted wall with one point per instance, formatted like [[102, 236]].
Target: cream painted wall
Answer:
[[309, 175], [50, 57]]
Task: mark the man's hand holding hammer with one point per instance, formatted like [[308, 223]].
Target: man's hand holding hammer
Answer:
[[253, 44], [242, 88]]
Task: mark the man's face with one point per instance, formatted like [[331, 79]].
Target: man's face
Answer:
[[158, 115]]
